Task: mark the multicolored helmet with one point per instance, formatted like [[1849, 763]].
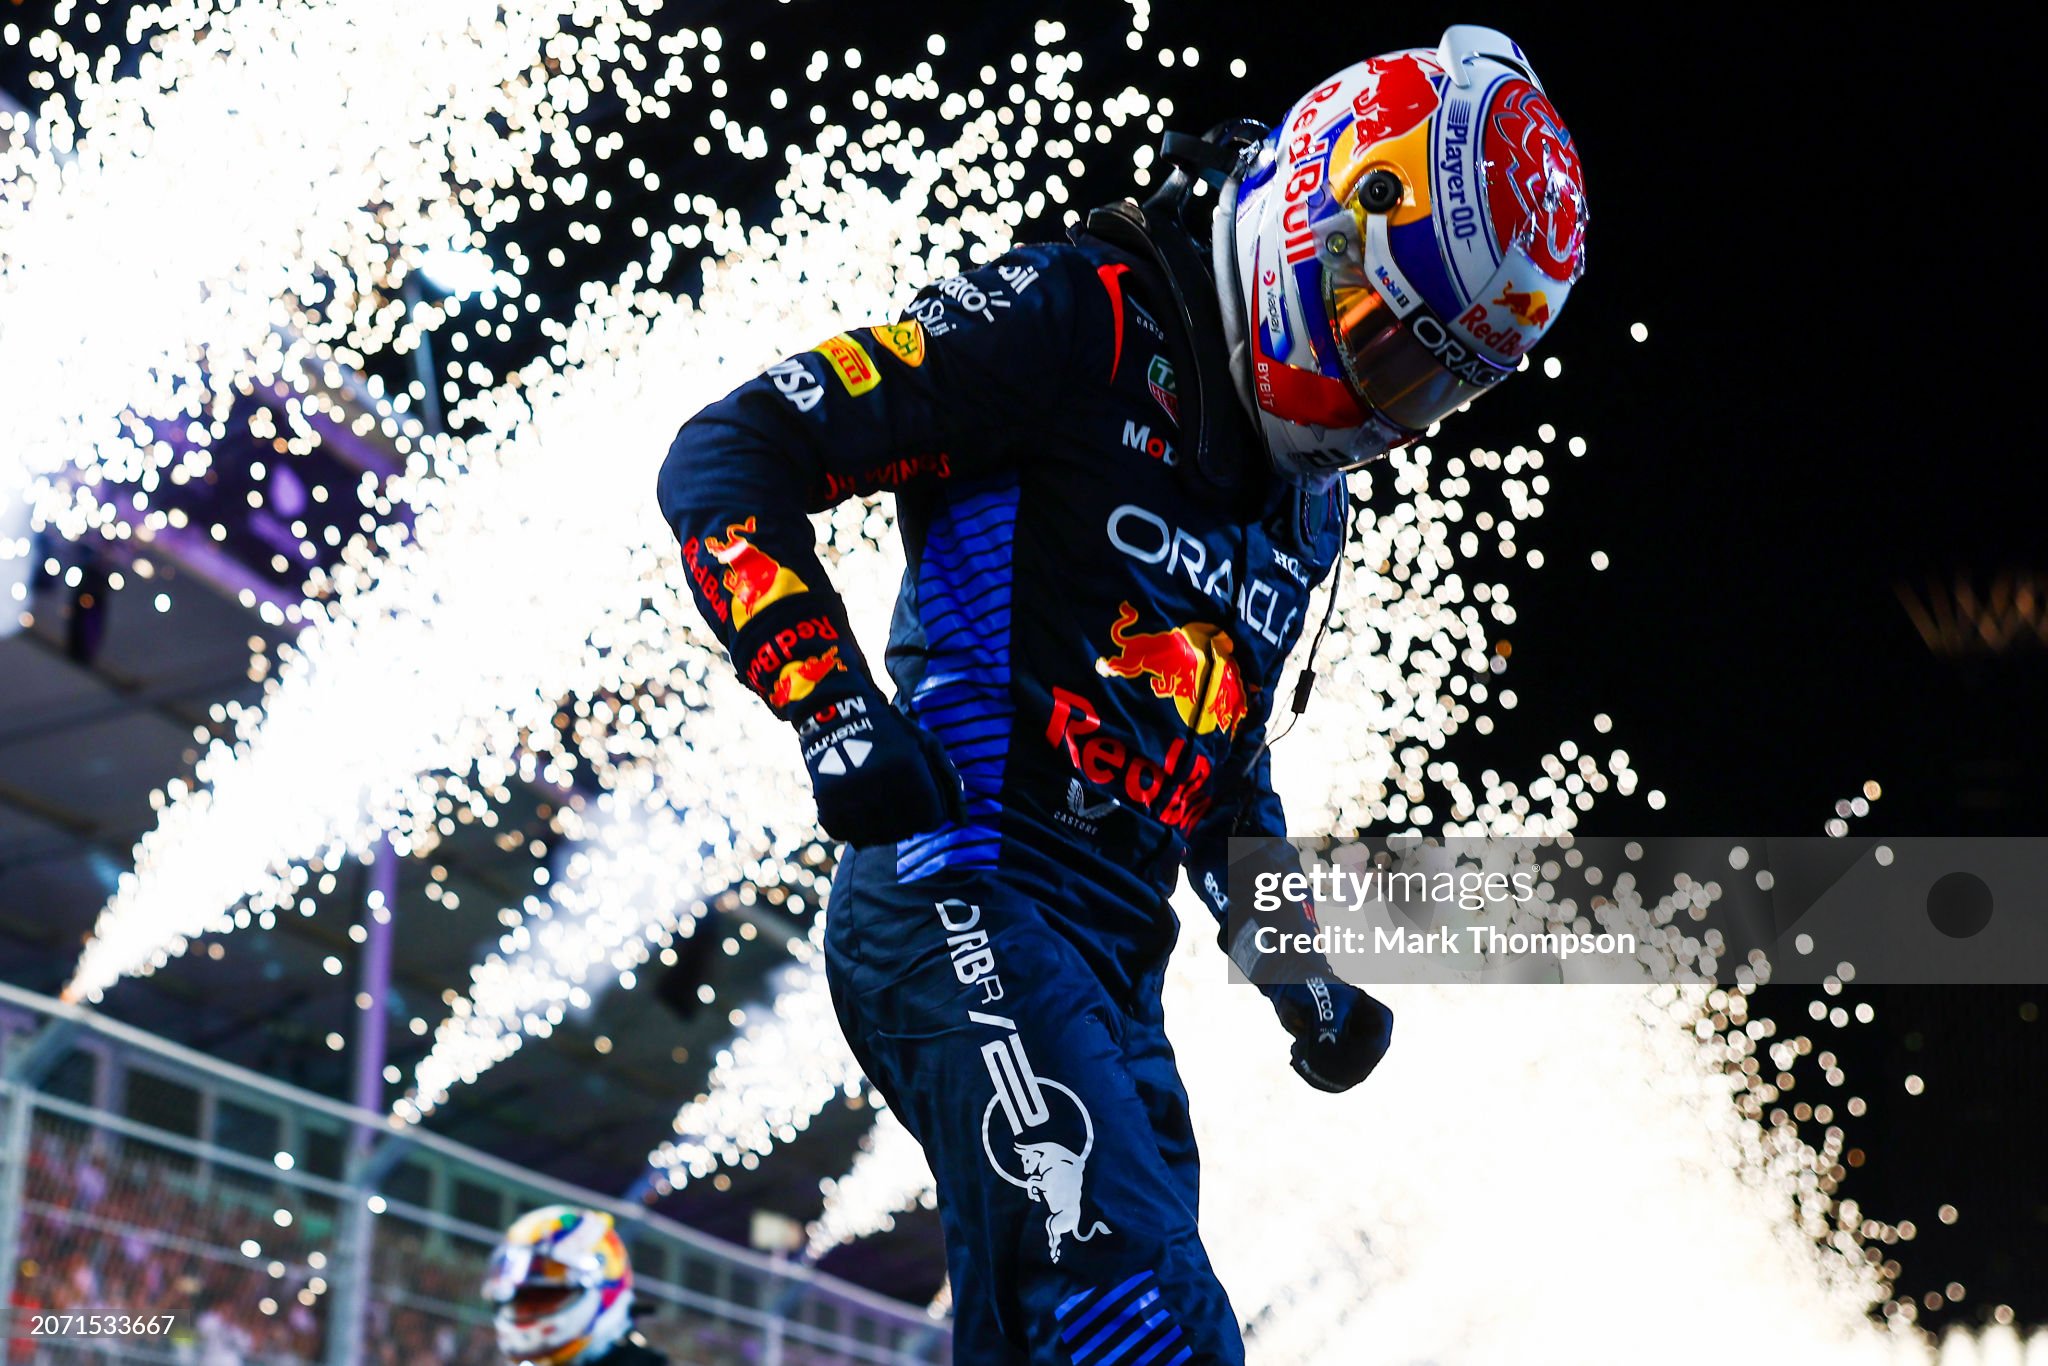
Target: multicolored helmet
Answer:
[[1401, 240], [563, 1287]]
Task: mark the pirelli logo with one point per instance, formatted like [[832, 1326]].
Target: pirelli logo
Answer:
[[853, 365]]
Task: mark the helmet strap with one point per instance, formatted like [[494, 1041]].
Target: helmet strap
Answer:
[[1230, 294], [1159, 232]]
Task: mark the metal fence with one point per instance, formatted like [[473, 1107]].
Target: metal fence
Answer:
[[261, 1225]]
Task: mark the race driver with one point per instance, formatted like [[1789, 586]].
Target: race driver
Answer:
[[560, 1285], [1117, 465]]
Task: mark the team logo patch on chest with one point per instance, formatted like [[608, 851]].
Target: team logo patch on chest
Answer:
[[1159, 379], [1192, 666]]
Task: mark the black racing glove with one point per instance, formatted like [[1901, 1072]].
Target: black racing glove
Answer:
[[1340, 1033], [877, 775]]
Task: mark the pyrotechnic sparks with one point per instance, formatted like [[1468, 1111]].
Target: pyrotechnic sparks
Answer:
[[888, 1175], [361, 136], [626, 891], [1441, 1199], [533, 624], [437, 664], [1404, 1215], [770, 1081]]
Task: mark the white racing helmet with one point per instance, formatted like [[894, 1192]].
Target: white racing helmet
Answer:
[[563, 1287], [1396, 246]]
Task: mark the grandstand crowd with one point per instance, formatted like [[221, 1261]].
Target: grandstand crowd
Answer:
[[114, 1229]]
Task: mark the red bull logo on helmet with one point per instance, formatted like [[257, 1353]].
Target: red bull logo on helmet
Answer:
[[1301, 171], [753, 578], [1530, 307], [1395, 94], [1509, 323], [1192, 666], [1509, 199]]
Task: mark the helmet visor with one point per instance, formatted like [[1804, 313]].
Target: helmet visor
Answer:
[[1412, 371], [534, 1303], [508, 1269]]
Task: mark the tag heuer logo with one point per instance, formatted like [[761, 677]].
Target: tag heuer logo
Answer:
[[1159, 379]]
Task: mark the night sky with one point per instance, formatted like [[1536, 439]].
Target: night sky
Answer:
[[1816, 419]]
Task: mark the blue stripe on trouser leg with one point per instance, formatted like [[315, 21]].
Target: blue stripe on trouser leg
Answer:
[[1051, 1116]]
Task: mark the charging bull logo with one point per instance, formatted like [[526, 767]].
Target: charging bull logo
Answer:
[[797, 679], [1191, 665], [752, 576], [1048, 1171], [1396, 94], [1531, 308], [1038, 1153], [1052, 1175]]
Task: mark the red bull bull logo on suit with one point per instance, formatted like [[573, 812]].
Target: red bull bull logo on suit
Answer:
[[1191, 665], [753, 578], [796, 680], [1047, 1168]]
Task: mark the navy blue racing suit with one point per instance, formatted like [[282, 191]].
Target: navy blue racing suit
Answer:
[[1096, 637]]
